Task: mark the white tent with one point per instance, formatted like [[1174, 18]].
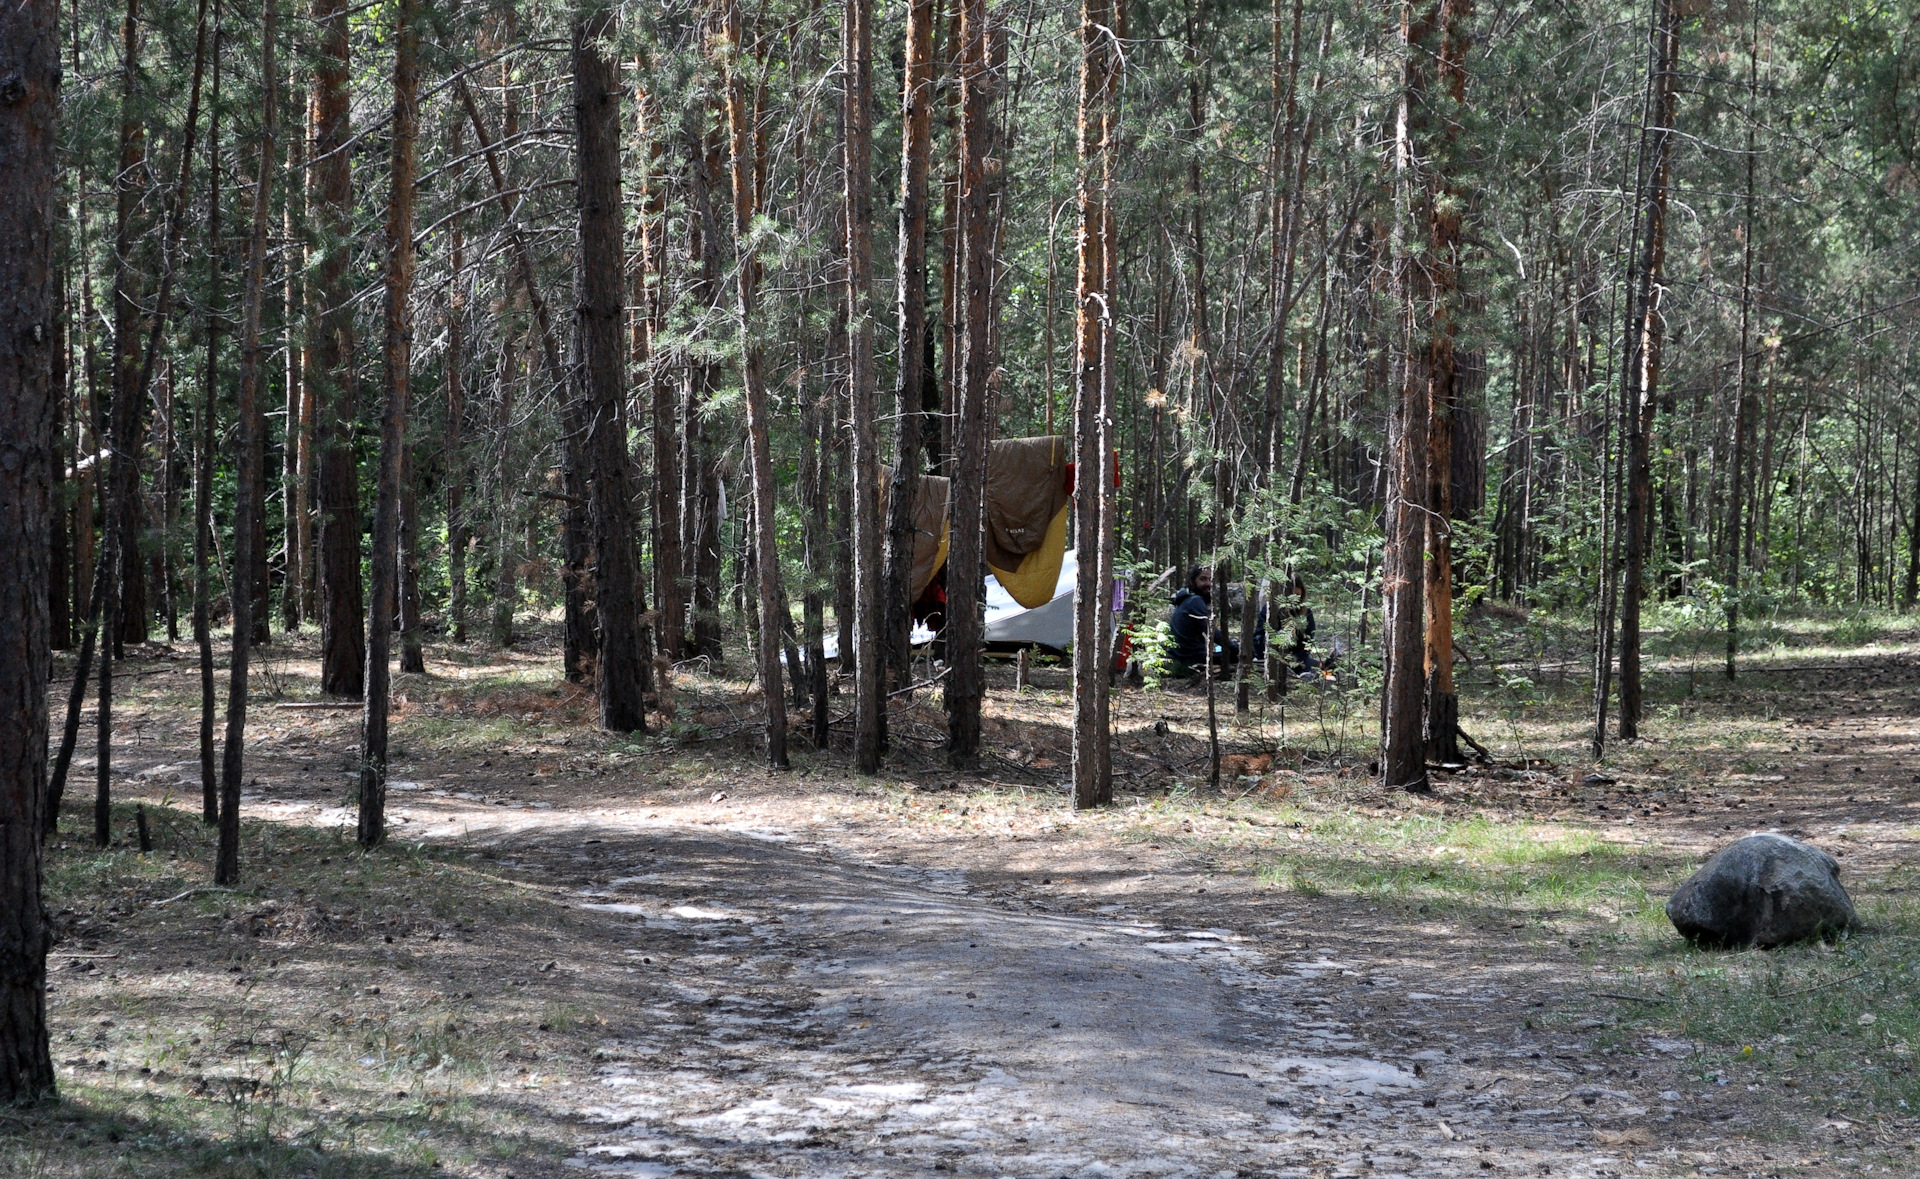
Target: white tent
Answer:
[[1050, 625], [1008, 621]]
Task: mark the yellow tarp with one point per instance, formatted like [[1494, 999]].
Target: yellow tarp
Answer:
[[1033, 583]]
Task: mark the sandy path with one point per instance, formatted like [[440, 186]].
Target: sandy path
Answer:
[[914, 1029]]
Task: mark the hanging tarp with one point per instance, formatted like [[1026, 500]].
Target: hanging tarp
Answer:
[[929, 526], [1029, 497]]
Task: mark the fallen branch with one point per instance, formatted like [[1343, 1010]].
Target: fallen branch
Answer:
[[342, 704], [1478, 748], [194, 892], [1818, 986], [923, 684], [1630, 998], [123, 675]]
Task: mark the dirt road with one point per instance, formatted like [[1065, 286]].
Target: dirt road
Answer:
[[801, 1010]]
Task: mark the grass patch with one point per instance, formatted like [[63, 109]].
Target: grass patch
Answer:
[[1837, 1022], [1517, 869], [334, 1016]]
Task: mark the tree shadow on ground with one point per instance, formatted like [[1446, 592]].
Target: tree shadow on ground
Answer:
[[83, 1135]]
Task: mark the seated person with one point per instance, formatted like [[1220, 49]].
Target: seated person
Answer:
[[1192, 614], [1296, 633]]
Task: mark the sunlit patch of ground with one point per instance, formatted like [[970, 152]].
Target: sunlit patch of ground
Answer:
[[1506, 935]]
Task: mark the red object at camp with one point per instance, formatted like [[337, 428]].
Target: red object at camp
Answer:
[[1116, 474]]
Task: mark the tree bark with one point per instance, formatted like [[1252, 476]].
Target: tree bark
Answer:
[[1736, 484], [250, 463], [203, 459], [669, 593], [600, 368], [814, 549], [916, 152], [126, 603], [973, 400], [332, 380], [869, 704], [1646, 335], [459, 531], [60, 573], [296, 449], [1093, 328], [133, 376], [396, 366], [412, 653], [504, 592], [1424, 354], [1440, 261], [772, 602], [30, 65]]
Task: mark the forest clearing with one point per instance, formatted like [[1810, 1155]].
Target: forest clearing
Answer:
[[651, 956], [1044, 588]]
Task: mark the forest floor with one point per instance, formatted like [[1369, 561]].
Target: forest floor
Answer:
[[582, 954]]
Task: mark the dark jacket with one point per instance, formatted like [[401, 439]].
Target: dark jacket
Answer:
[[1191, 613], [1299, 628]]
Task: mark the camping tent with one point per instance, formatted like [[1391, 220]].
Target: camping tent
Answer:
[[1029, 586], [1049, 624]]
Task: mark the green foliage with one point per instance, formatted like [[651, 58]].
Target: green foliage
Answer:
[[1152, 642]]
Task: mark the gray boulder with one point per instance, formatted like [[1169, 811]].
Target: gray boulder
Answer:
[[1764, 890]]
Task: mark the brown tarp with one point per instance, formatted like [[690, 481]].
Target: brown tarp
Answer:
[[1026, 494], [929, 525], [1026, 488]]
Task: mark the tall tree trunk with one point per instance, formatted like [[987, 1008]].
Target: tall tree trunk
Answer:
[[166, 410], [30, 63], [134, 374], [973, 399], [600, 365], [504, 593], [699, 482], [304, 480], [103, 707], [669, 593], [1912, 591], [251, 462], [61, 573], [1093, 328], [766, 553], [1424, 289], [296, 447], [1646, 337], [126, 604], [396, 365], [916, 153], [814, 547], [1440, 261], [203, 458], [119, 549], [579, 640], [412, 653], [459, 531], [332, 380], [869, 704], [1736, 485]]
